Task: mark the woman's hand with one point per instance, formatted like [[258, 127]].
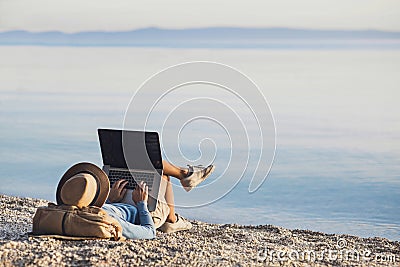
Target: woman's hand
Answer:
[[117, 191], [141, 193]]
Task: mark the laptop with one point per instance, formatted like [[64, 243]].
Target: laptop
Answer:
[[134, 156]]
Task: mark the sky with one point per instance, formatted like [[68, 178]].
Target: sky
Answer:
[[123, 15]]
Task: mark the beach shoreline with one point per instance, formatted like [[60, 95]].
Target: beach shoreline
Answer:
[[205, 244]]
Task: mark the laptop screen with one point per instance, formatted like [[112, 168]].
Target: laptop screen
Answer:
[[130, 149]]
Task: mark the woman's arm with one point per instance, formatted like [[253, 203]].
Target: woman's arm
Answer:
[[125, 214], [145, 230]]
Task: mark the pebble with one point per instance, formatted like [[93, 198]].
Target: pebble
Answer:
[[205, 245]]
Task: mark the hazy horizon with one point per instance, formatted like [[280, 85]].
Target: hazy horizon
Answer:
[[312, 29], [121, 15], [212, 37]]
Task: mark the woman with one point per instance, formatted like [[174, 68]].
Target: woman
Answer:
[[137, 222]]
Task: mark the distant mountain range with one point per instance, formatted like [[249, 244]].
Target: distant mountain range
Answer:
[[218, 37]]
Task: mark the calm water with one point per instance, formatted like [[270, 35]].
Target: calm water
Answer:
[[337, 164]]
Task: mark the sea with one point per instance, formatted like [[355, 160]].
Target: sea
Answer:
[[335, 164]]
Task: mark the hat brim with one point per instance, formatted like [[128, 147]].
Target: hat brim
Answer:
[[103, 183]]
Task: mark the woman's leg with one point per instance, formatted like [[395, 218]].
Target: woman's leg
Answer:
[[172, 170], [169, 198], [172, 221], [189, 177]]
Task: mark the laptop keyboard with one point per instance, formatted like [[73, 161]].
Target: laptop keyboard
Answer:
[[132, 177]]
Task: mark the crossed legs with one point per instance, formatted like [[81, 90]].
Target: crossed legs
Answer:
[[172, 170], [189, 178]]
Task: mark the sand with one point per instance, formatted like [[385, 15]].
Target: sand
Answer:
[[204, 245]]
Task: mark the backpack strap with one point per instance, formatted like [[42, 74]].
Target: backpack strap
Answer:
[[63, 223]]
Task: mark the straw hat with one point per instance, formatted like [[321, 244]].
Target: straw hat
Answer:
[[82, 185]]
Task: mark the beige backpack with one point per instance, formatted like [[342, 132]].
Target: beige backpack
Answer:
[[71, 222]]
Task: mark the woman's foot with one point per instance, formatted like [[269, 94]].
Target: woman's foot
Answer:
[[179, 225], [196, 175]]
